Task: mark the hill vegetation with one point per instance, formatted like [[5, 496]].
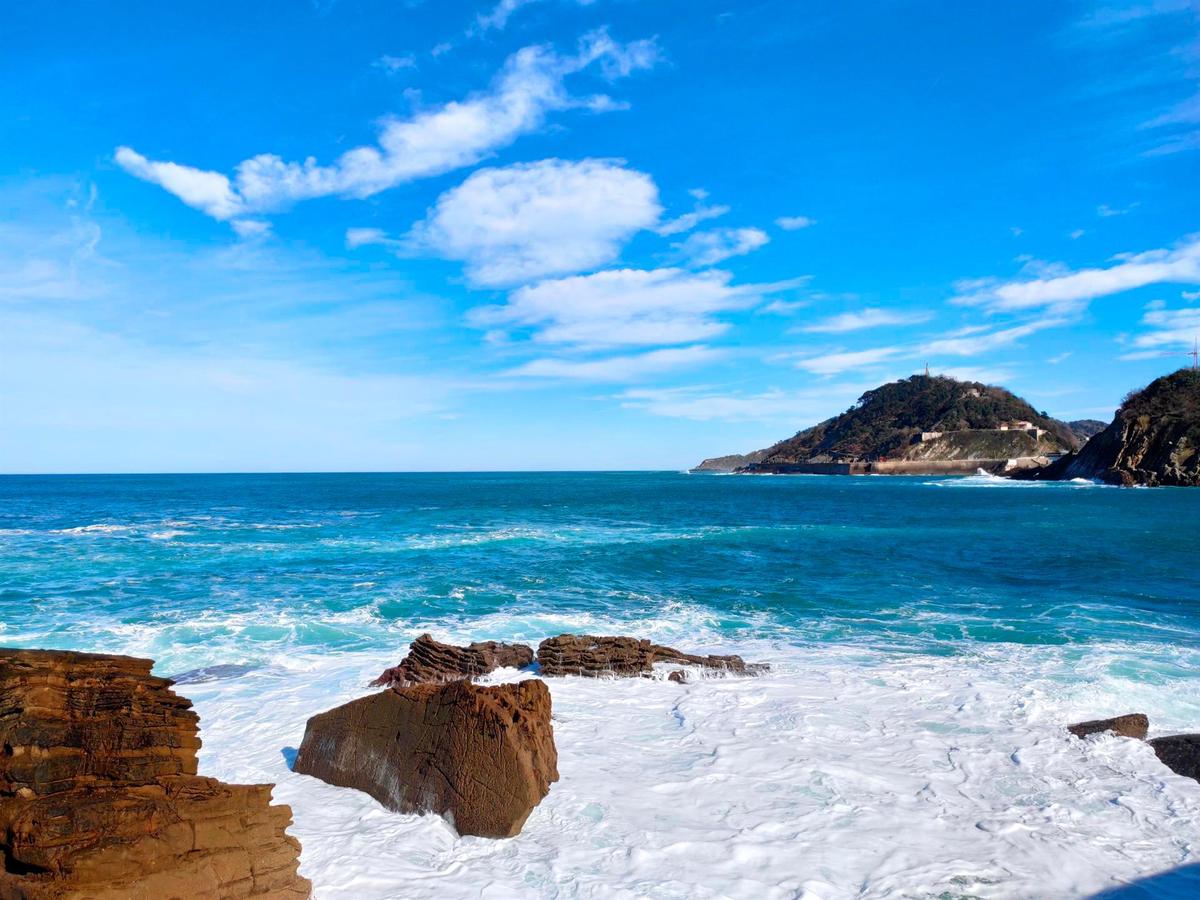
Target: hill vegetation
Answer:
[[888, 421]]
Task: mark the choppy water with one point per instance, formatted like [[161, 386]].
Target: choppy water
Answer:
[[929, 637]]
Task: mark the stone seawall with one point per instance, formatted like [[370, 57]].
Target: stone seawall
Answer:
[[894, 467]]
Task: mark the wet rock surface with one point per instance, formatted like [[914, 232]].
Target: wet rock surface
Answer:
[[483, 757], [1180, 753], [1132, 725], [99, 795], [431, 661], [596, 656]]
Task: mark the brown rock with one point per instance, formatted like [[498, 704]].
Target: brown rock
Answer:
[[99, 796], [484, 757], [1180, 753], [679, 676], [432, 661], [1133, 725], [585, 654]]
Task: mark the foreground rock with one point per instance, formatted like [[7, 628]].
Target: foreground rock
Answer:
[[484, 757], [593, 656], [431, 661], [1180, 753], [99, 795], [1154, 440], [1133, 725]]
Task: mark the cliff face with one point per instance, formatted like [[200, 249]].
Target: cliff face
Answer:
[[1153, 440], [99, 796], [923, 418]]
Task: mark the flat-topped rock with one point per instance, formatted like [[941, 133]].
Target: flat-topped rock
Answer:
[[431, 661], [99, 796], [1180, 753], [483, 757], [596, 656], [1132, 725]]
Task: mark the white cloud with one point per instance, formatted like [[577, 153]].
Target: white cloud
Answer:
[[1180, 265], [251, 229], [365, 237], [701, 212], [209, 192], [837, 363], [1168, 328], [982, 343], [536, 219], [394, 64], [707, 248], [623, 307], [703, 404], [1076, 234], [431, 142], [1105, 211], [632, 367], [868, 318], [795, 223]]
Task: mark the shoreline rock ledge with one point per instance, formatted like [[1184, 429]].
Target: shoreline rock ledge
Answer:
[[483, 757], [432, 661], [598, 657], [99, 796]]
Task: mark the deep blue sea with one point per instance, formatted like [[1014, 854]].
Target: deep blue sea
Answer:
[[234, 568], [928, 639]]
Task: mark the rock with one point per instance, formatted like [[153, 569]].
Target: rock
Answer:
[[593, 656], [1153, 440], [679, 676], [99, 795], [1133, 725], [432, 661], [1180, 753], [483, 757]]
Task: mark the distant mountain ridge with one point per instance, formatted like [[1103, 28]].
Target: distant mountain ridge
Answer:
[[929, 418], [1154, 439]]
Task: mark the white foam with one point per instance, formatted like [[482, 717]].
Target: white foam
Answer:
[[844, 773]]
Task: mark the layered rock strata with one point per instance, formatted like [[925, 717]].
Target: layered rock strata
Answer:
[[432, 661], [99, 796]]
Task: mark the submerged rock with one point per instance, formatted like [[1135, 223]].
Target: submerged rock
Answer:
[[1180, 753], [483, 757], [1133, 725], [432, 661], [99, 795], [594, 656]]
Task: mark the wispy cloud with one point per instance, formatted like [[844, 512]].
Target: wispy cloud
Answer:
[[1170, 331], [795, 223], [530, 86], [847, 361], [623, 307], [701, 212], [707, 248], [394, 64], [871, 317], [632, 367], [704, 404], [532, 220], [1180, 265]]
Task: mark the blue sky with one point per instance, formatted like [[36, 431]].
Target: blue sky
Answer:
[[556, 234]]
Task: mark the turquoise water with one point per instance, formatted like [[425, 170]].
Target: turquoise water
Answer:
[[202, 570]]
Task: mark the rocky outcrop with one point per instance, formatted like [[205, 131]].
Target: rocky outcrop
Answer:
[[594, 656], [483, 757], [1154, 440], [99, 795], [432, 661], [1180, 753], [1133, 725], [731, 462]]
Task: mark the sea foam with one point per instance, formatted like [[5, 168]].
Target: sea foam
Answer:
[[843, 773]]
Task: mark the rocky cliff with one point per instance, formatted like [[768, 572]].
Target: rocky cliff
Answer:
[[730, 463], [1153, 440], [99, 796]]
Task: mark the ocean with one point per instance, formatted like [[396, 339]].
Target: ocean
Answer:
[[928, 640]]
